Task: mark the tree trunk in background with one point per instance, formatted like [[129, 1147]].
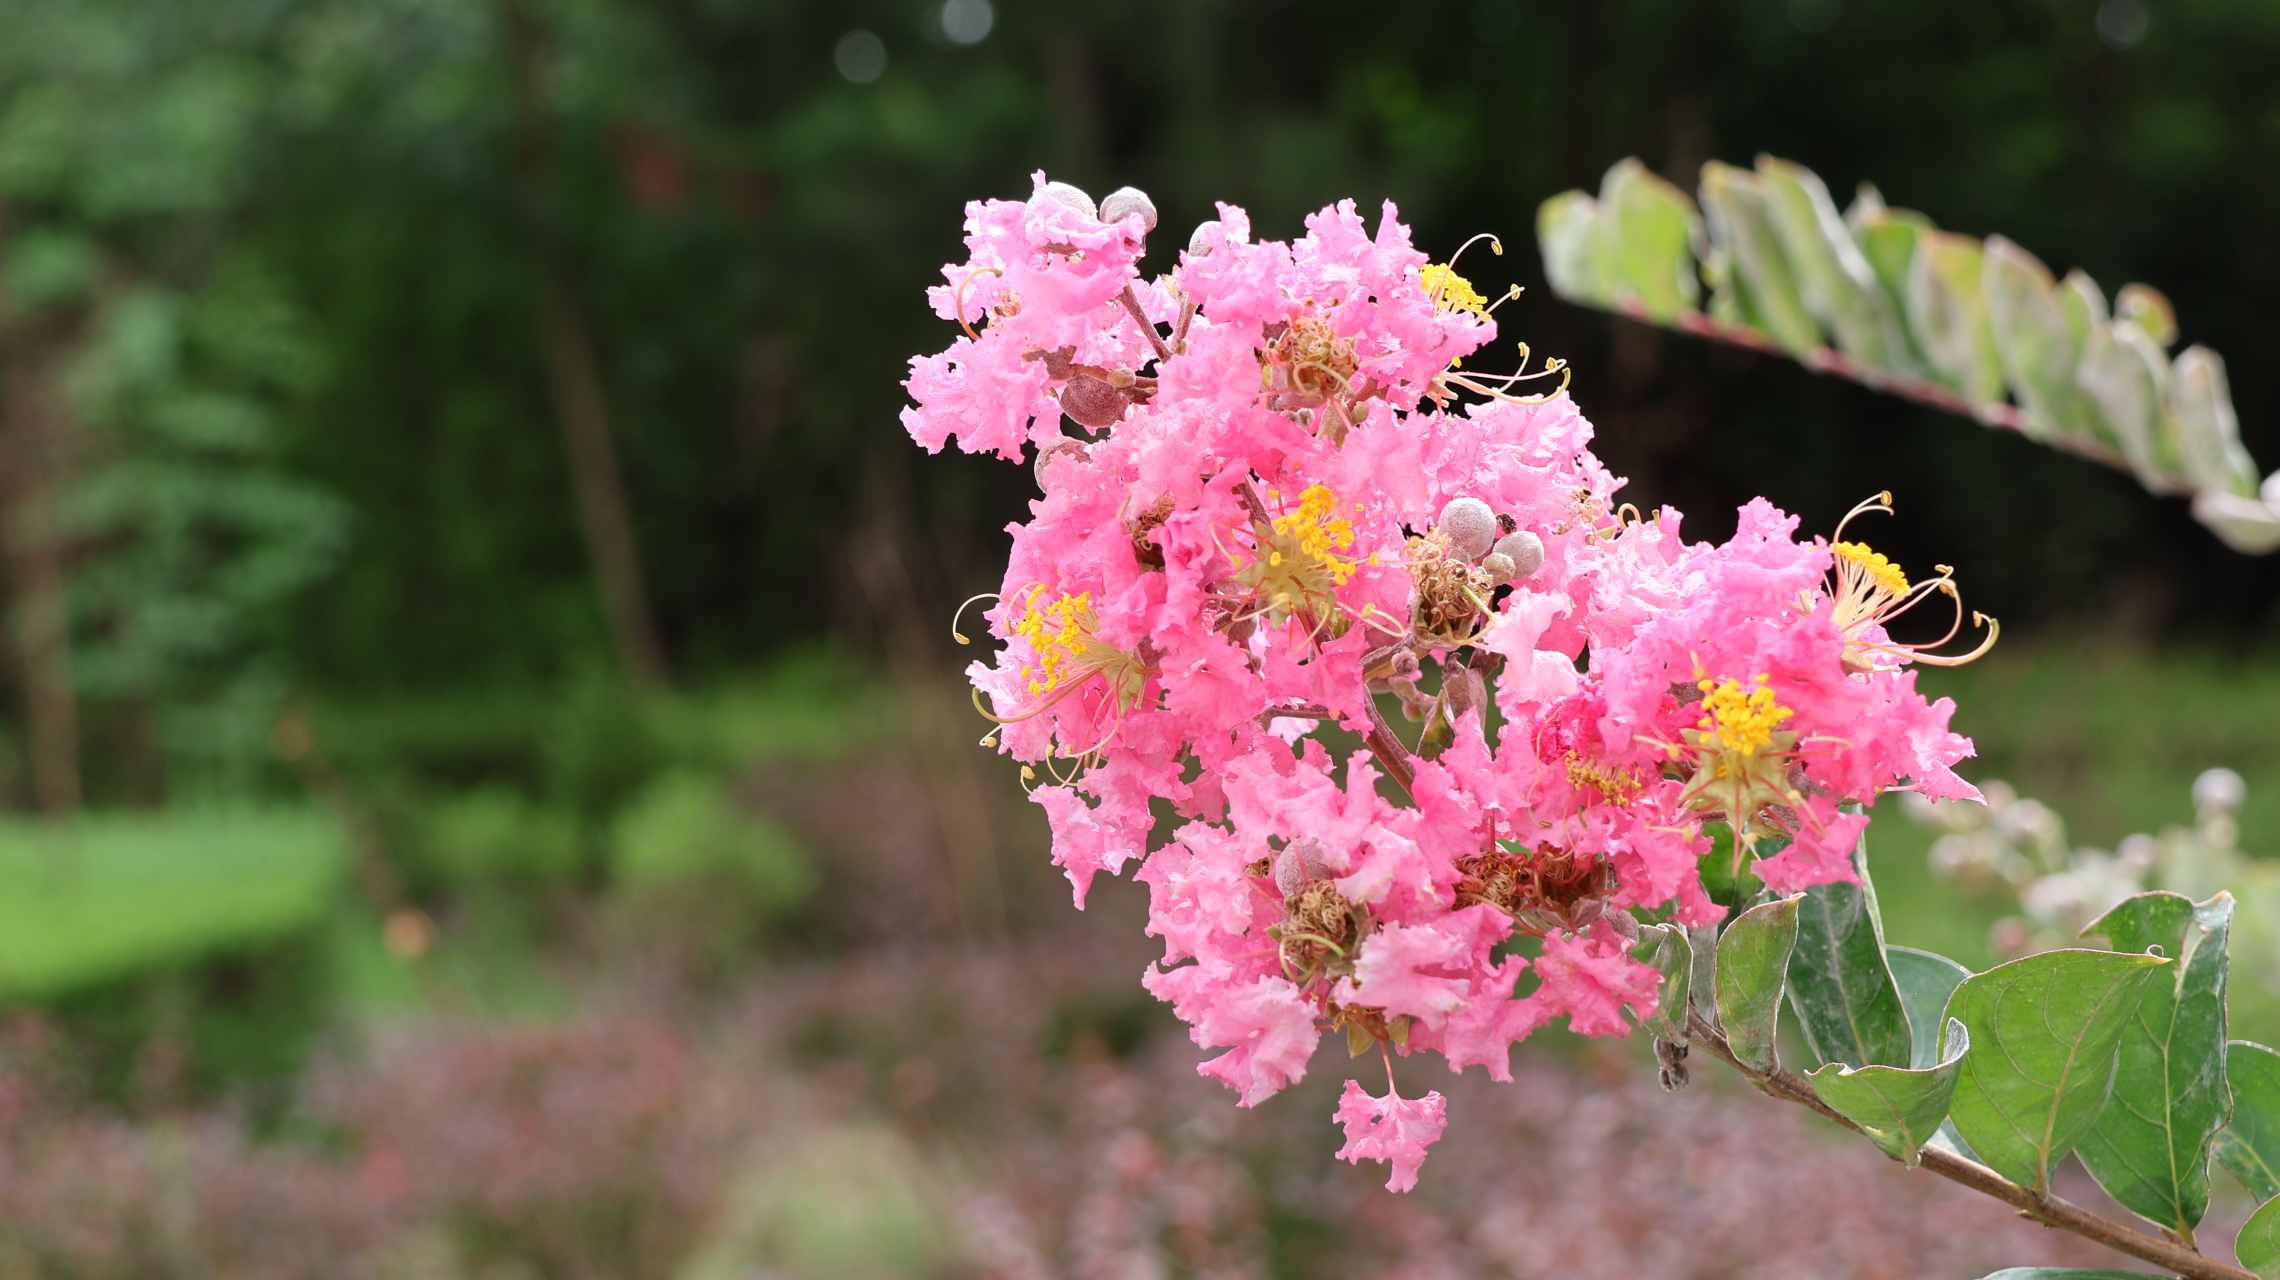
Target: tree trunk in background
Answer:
[[34, 432], [580, 404]]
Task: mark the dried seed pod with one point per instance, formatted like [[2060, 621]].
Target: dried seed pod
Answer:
[[1471, 526], [1670, 1057], [1094, 402], [1526, 552], [1124, 202], [1299, 862]]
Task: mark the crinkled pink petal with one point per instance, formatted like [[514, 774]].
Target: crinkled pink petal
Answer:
[[1392, 1128]]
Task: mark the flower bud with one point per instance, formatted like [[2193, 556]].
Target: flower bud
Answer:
[[1074, 450], [1094, 402], [1299, 862], [2219, 790], [1199, 243], [1526, 552], [1064, 193], [1498, 565], [1471, 526], [1124, 202]]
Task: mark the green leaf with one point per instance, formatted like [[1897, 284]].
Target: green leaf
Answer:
[[1843, 993], [2150, 1147], [2208, 431], [2126, 376], [1748, 261], [2249, 1145], [1899, 1109], [2043, 1036], [1947, 315], [1753, 957], [2258, 1245], [1575, 257], [1665, 947], [1838, 285], [2035, 340], [1926, 981], [1655, 229]]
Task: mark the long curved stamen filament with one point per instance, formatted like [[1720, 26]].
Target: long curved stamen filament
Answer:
[[1994, 629], [960, 304], [1495, 245], [958, 635]]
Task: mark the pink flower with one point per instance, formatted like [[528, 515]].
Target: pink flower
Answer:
[[1236, 561], [1591, 980], [1392, 1128]]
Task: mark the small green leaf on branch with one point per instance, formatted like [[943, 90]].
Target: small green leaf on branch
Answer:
[[1899, 1109], [1753, 960]]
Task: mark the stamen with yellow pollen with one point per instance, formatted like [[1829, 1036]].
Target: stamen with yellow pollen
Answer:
[[1299, 566], [1868, 591], [1740, 754], [1740, 720], [1065, 651], [1450, 291]]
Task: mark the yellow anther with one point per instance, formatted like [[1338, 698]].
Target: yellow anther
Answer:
[[1879, 569], [1739, 719], [1450, 291]]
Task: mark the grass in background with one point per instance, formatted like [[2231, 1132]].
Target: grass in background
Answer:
[[106, 895]]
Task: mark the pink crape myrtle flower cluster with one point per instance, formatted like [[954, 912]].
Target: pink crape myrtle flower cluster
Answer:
[[1287, 499]]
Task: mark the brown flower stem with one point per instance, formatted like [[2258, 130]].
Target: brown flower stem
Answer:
[[2051, 1211], [1131, 303], [1391, 755]]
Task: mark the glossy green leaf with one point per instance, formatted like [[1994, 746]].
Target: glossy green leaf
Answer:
[[2249, 1144], [1753, 959], [1839, 987], [2258, 1245], [1926, 981], [2043, 1036], [1899, 1109], [1838, 285], [1575, 258], [1655, 228], [1749, 262], [2150, 1147], [1665, 947]]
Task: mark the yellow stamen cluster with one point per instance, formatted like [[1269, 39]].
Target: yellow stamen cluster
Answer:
[[1450, 291], [1620, 788], [1316, 532], [1740, 719], [1874, 565], [1058, 636]]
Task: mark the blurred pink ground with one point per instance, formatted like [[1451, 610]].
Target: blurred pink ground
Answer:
[[929, 1115]]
